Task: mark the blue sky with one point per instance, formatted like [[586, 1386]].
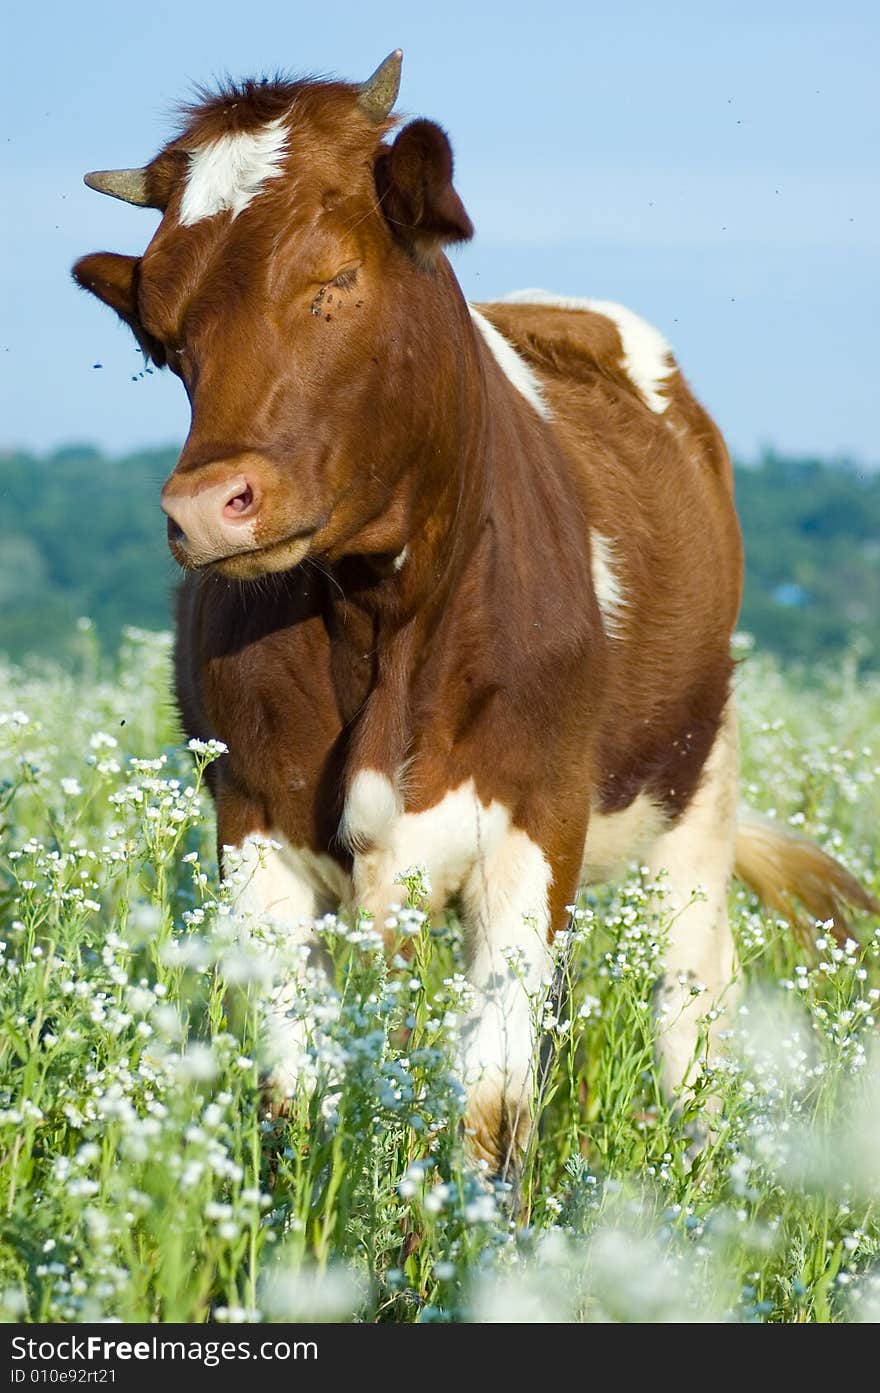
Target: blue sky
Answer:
[[712, 166]]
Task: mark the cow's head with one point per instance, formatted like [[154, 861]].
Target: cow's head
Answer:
[[294, 285]]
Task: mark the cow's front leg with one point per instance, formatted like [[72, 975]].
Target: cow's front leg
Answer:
[[507, 912], [512, 894], [278, 891]]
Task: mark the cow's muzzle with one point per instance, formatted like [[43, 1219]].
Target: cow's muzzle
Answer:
[[221, 523]]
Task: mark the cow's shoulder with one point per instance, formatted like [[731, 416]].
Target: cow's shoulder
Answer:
[[577, 338]]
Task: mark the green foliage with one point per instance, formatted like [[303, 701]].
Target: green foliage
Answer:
[[812, 538], [82, 535], [143, 1176]]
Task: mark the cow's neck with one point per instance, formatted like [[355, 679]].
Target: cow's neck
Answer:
[[502, 502]]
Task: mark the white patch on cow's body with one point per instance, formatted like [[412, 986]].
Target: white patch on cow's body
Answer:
[[400, 560], [609, 591], [278, 891], [227, 174], [278, 883], [512, 365], [446, 839], [372, 806], [614, 840], [647, 357]]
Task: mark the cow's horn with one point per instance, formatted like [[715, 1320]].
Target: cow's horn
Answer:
[[378, 94], [128, 184]]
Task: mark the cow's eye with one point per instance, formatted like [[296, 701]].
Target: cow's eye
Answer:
[[346, 279]]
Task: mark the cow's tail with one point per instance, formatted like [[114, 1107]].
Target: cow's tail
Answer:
[[791, 874]]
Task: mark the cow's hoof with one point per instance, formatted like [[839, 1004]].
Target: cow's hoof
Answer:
[[496, 1128], [276, 1101]]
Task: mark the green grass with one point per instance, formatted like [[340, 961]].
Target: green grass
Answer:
[[142, 1178]]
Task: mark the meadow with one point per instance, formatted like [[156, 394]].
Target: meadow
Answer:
[[142, 1176]]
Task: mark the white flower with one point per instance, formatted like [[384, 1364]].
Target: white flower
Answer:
[[481, 1210], [145, 919], [13, 1301], [237, 1315], [198, 1064], [207, 747], [305, 1294], [436, 1198], [140, 1000], [167, 1022], [101, 741], [216, 1211]]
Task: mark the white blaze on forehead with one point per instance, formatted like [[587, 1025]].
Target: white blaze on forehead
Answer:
[[647, 357], [512, 365], [606, 583], [227, 173]]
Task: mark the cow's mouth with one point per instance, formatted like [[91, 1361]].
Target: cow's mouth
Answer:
[[278, 556]]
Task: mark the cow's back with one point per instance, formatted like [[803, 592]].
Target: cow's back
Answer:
[[667, 554]]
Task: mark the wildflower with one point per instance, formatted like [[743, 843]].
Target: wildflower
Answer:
[[215, 748], [436, 1198], [237, 1315], [101, 741], [481, 1210], [198, 1064], [305, 1294]]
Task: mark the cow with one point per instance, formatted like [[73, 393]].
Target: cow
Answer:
[[460, 581]]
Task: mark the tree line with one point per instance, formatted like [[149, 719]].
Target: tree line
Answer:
[[81, 536]]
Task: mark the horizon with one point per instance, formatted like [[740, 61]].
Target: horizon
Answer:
[[767, 455], [715, 174]]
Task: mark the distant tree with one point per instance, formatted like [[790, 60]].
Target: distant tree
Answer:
[[81, 534]]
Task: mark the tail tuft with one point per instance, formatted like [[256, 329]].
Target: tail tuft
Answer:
[[791, 874]]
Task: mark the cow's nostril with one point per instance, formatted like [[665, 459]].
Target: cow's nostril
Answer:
[[241, 503], [175, 532]]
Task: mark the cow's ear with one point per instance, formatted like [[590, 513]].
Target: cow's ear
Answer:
[[414, 180], [113, 278]]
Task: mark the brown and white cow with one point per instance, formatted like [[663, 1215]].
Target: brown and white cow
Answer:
[[503, 555]]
